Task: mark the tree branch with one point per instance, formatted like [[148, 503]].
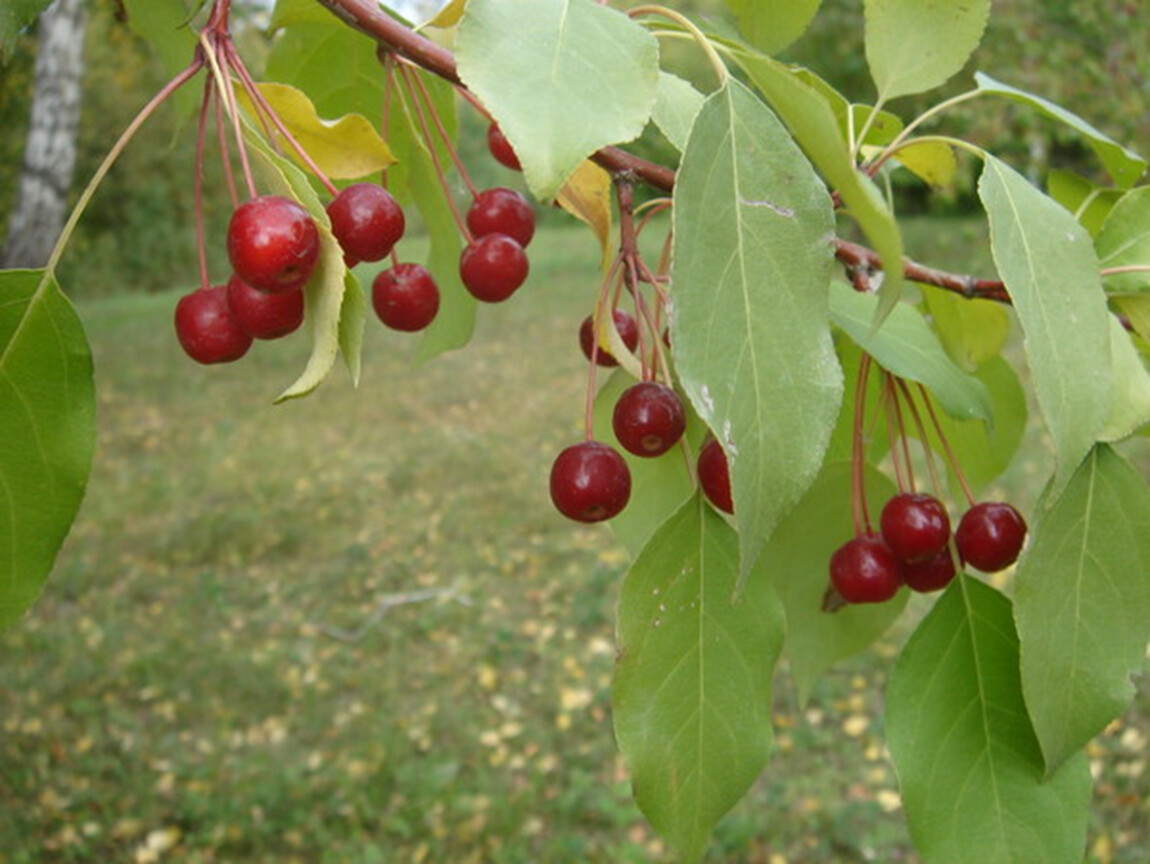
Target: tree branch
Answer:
[[368, 18]]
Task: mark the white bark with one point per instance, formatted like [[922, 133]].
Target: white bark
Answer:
[[50, 150]]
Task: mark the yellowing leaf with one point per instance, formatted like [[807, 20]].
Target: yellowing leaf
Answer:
[[448, 16], [344, 149], [931, 161], [587, 196]]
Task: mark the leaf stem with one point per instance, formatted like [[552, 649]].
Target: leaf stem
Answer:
[[717, 64], [102, 171]]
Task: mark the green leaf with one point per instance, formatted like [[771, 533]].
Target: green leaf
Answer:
[[750, 335], [1124, 241], [971, 331], [809, 116], [1048, 263], [797, 559], [772, 25], [1130, 410], [917, 45], [676, 107], [289, 12], [1089, 202], [906, 346], [967, 757], [544, 68], [1124, 166], [660, 485], [692, 689], [984, 450], [47, 431], [1082, 603], [352, 317], [15, 15]]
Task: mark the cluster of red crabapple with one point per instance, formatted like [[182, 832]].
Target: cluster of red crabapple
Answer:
[[274, 245]]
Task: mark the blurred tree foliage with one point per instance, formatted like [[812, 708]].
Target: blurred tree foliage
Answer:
[[1087, 55]]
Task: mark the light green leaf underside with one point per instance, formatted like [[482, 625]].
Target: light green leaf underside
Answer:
[[1048, 263], [907, 347], [967, 757], [1124, 165], [676, 107], [564, 78], [1082, 603], [916, 45], [47, 431], [692, 689], [1124, 241], [772, 25], [812, 121], [750, 335], [797, 561]]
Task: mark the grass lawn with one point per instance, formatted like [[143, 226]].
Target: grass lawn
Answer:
[[352, 628]]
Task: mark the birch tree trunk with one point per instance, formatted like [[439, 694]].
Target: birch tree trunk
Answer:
[[50, 151]]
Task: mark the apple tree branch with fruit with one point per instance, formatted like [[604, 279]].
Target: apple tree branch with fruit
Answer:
[[790, 432]]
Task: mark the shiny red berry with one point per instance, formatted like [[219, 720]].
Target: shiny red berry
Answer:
[[865, 570], [628, 332], [273, 243], [933, 574], [990, 536], [590, 482], [493, 267], [264, 315], [405, 297], [500, 148], [502, 211], [915, 526], [715, 475], [207, 329], [366, 220], [649, 419]]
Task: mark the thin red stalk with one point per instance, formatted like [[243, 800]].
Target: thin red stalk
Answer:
[[442, 130], [858, 493], [237, 132], [902, 437], [221, 135], [388, 90], [602, 306], [429, 140], [198, 187], [262, 105], [950, 457], [896, 457]]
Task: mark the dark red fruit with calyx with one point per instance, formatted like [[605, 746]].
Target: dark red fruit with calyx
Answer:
[[405, 297], [264, 315], [990, 536], [207, 329], [628, 332], [715, 475], [590, 482], [915, 526], [865, 570], [933, 574], [500, 148], [649, 419], [493, 267], [273, 243], [502, 211], [367, 221]]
